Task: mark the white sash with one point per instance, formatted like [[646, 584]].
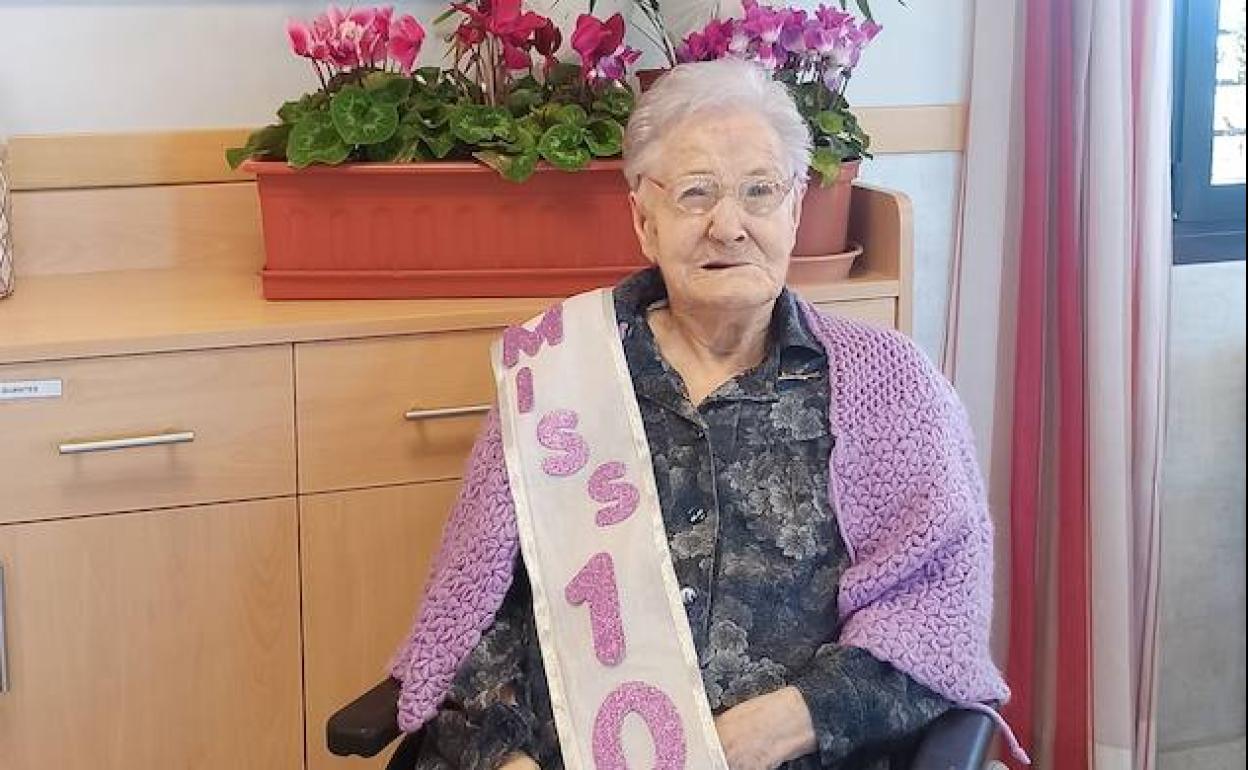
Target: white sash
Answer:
[[625, 685]]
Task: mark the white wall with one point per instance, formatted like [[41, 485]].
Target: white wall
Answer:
[[1201, 713], [95, 66]]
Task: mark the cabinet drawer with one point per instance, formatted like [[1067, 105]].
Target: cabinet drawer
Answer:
[[880, 312], [388, 411], [147, 431]]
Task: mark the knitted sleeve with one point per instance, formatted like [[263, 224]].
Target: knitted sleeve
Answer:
[[469, 578], [913, 511]]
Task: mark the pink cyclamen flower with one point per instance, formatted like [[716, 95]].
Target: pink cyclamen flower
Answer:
[[406, 39], [300, 38], [615, 66], [831, 17], [601, 46], [771, 57], [708, 44], [763, 22]]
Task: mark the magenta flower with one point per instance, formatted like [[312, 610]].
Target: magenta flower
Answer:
[[709, 44], [762, 22], [361, 37], [601, 47], [406, 38], [300, 38], [546, 40], [832, 18], [503, 20]]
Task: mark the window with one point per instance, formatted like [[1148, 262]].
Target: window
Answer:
[[1209, 134]]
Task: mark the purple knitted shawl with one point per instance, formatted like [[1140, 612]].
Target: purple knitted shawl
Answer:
[[908, 497]]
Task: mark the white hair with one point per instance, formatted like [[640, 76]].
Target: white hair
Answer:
[[723, 84]]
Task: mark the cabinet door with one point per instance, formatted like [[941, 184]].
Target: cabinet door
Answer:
[[165, 639], [366, 555]]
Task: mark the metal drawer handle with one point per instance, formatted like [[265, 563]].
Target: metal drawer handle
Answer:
[[450, 411], [180, 437], [4, 640]]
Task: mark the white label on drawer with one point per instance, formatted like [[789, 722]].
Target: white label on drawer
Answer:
[[21, 389]]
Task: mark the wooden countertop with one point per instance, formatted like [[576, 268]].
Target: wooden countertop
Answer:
[[144, 311]]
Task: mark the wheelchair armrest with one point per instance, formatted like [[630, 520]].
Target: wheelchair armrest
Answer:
[[366, 725], [958, 740]]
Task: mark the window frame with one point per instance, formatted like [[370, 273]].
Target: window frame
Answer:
[[1208, 219]]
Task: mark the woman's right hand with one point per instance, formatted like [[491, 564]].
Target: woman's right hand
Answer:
[[519, 761]]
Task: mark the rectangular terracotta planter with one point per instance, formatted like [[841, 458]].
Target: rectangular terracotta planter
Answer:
[[393, 231]]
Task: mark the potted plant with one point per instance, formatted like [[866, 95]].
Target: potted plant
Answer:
[[391, 180], [814, 54]]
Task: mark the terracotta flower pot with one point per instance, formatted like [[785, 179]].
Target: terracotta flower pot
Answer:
[[442, 230], [825, 214], [823, 269]]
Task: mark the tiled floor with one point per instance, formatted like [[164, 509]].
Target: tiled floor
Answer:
[[1217, 756]]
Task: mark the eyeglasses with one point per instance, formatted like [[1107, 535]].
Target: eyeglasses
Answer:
[[700, 193]]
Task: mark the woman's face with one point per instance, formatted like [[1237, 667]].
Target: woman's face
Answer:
[[728, 257]]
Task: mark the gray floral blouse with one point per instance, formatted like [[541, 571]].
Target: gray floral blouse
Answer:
[[742, 479]]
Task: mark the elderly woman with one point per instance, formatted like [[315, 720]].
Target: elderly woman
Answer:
[[752, 536]]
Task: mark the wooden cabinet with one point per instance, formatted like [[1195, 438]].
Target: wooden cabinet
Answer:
[[185, 428], [154, 640], [365, 557], [881, 312]]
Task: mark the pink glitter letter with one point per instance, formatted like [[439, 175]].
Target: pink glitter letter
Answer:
[[604, 489], [660, 716], [556, 430], [524, 390], [518, 338], [595, 583]]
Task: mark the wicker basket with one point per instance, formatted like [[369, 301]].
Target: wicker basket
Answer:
[[6, 239]]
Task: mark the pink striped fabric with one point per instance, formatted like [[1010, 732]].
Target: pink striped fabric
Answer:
[[1079, 296]]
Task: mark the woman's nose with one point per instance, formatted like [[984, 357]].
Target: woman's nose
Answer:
[[727, 224]]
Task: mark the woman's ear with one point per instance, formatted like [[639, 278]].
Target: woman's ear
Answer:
[[643, 226]]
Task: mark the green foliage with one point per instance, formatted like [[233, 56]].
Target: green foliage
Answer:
[[434, 114]]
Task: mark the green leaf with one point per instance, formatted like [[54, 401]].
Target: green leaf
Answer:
[[361, 119], [827, 162], [515, 168], [526, 138], [829, 122], [476, 123], [522, 100], [605, 137], [267, 141], [564, 146], [572, 114], [314, 139], [292, 112], [387, 151], [428, 75], [616, 100], [440, 143], [527, 82], [387, 87], [563, 73], [236, 155]]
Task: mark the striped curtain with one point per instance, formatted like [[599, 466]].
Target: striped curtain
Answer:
[[1057, 340]]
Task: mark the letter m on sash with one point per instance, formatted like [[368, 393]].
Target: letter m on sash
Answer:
[[517, 339]]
